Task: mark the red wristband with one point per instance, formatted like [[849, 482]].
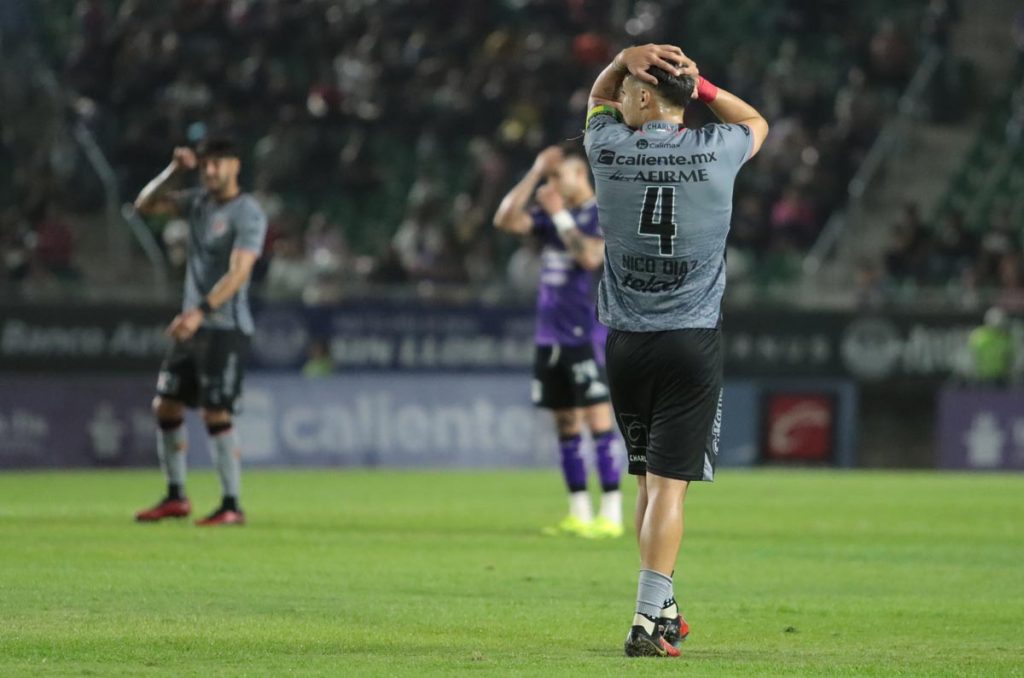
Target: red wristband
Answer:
[[706, 92]]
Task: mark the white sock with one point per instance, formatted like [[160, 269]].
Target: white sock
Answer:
[[579, 506], [611, 506], [644, 621]]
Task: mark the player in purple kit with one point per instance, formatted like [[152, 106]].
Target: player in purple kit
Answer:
[[569, 380]]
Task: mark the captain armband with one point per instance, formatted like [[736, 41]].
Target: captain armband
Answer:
[[603, 109]]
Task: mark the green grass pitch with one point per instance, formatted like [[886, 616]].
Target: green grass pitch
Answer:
[[347, 573]]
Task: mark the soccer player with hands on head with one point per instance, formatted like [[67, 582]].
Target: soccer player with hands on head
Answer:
[[569, 377], [664, 196], [204, 366]]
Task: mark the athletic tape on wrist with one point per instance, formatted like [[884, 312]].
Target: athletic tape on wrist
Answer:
[[706, 91], [563, 221]]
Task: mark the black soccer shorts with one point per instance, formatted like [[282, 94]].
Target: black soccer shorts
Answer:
[[566, 377], [666, 388], [205, 371]]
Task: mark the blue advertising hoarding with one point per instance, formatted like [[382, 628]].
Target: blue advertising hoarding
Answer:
[[366, 419]]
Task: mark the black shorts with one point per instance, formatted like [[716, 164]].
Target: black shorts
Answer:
[[566, 377], [666, 389], [206, 370]]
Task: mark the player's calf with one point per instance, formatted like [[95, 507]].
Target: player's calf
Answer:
[[226, 453]]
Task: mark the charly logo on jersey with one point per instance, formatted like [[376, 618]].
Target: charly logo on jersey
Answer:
[[219, 227]]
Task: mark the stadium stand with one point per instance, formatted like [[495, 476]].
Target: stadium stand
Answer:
[[382, 139]]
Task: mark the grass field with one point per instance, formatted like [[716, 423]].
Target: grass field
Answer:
[[410, 574]]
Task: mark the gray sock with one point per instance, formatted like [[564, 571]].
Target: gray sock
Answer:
[[227, 458], [651, 592], [170, 447]]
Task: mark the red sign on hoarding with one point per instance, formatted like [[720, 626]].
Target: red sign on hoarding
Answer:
[[799, 427]]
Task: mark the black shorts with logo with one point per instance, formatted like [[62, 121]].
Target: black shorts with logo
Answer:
[[206, 370], [666, 388], [566, 377]]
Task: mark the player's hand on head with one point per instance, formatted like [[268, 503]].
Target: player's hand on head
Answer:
[[671, 59], [548, 159], [185, 158], [550, 199]]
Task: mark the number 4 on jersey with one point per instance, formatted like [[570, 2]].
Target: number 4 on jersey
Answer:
[[660, 201]]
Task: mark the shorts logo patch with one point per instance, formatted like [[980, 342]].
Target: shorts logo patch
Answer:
[[584, 372], [716, 428], [167, 382], [635, 432], [596, 390], [536, 391]]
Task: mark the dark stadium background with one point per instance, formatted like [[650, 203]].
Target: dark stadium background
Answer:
[[884, 216]]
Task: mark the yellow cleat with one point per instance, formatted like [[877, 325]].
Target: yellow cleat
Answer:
[[602, 528], [570, 525]]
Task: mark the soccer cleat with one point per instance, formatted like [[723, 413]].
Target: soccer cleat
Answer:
[[602, 528], [674, 628], [674, 631], [223, 516], [640, 643], [570, 525], [167, 508]]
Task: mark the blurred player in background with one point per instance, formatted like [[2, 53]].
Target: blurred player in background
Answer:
[[204, 366], [664, 196], [568, 378]]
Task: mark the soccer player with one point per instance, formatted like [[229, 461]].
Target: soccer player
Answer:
[[567, 378], [204, 366], [664, 195]]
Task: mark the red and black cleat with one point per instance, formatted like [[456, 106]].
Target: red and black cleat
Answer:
[[639, 643], [223, 516], [167, 508], [674, 631]]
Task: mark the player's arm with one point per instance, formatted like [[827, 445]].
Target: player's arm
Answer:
[[239, 270], [586, 250], [252, 230], [636, 60], [732, 110], [512, 216], [156, 197]]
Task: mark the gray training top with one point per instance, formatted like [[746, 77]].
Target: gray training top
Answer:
[[214, 229], [664, 198]]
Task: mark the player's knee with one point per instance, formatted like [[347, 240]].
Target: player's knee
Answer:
[[666, 489], [567, 422], [217, 421], [216, 416], [599, 417], [168, 411]]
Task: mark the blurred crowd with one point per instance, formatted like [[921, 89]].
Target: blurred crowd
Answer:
[[381, 135], [958, 262]]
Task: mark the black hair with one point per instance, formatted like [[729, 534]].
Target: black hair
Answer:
[[674, 89], [218, 147]]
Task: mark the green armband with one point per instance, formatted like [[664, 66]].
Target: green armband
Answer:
[[603, 109]]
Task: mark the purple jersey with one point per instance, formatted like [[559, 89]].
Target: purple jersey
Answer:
[[567, 297]]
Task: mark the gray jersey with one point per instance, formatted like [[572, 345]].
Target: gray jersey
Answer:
[[214, 230], [664, 197]]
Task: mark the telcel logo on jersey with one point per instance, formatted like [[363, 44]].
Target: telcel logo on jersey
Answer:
[[651, 282]]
